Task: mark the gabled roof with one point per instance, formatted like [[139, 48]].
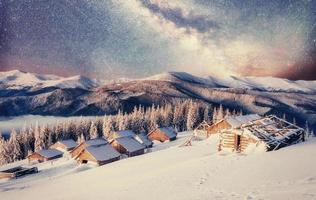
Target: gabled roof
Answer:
[[103, 152], [169, 131], [236, 121], [130, 144], [143, 139], [50, 153], [70, 144], [96, 142], [124, 133]]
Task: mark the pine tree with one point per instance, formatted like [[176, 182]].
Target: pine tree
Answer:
[[39, 140], [307, 130], [220, 113], [93, 131], [192, 116], [14, 146], [206, 116], [214, 117], [3, 157], [108, 127]]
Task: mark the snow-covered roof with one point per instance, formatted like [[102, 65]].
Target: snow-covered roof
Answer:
[[124, 133], [70, 144], [50, 153], [96, 142], [143, 139], [103, 152], [130, 144], [169, 131], [236, 121]]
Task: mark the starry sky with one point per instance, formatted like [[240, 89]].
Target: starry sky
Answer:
[[136, 38]]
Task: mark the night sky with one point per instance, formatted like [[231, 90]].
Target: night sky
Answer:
[[136, 38]]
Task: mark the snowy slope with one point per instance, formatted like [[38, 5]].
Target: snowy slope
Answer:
[[255, 83], [18, 80], [196, 172]]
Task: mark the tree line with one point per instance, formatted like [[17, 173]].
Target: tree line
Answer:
[[181, 114]]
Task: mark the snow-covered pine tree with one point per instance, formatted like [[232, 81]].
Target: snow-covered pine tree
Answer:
[[191, 116], [214, 117], [3, 157], [14, 146], [227, 112], [206, 116], [307, 130], [93, 131], [108, 127], [220, 113], [39, 139], [44, 133]]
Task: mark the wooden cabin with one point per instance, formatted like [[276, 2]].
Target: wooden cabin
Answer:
[[94, 142], [45, 155], [163, 134], [128, 146], [144, 140], [230, 122], [101, 155], [269, 133], [64, 145], [16, 172]]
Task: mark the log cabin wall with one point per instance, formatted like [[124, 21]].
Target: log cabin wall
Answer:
[[85, 156], [158, 135], [76, 151], [118, 147], [216, 128]]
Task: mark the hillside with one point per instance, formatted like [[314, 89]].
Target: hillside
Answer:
[[75, 96], [171, 172]]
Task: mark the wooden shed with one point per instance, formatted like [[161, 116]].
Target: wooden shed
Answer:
[[128, 146], [16, 172], [94, 142], [270, 133], [101, 155], [64, 145], [163, 134], [45, 155]]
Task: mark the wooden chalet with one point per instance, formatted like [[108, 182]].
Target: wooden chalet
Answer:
[[45, 155], [128, 146], [64, 145], [163, 134], [94, 142], [230, 122], [270, 133], [144, 140], [101, 155], [16, 172]]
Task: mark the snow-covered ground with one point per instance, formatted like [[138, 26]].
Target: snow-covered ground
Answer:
[[173, 172]]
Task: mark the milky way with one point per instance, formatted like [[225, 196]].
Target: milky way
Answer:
[[137, 38]]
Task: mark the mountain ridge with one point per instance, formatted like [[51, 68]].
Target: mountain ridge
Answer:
[[295, 99]]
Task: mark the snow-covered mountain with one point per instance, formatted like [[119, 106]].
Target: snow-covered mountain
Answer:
[[17, 80], [25, 93], [271, 84]]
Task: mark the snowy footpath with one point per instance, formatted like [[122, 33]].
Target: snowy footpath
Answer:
[[173, 172]]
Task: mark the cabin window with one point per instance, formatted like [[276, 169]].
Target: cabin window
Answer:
[[84, 161]]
